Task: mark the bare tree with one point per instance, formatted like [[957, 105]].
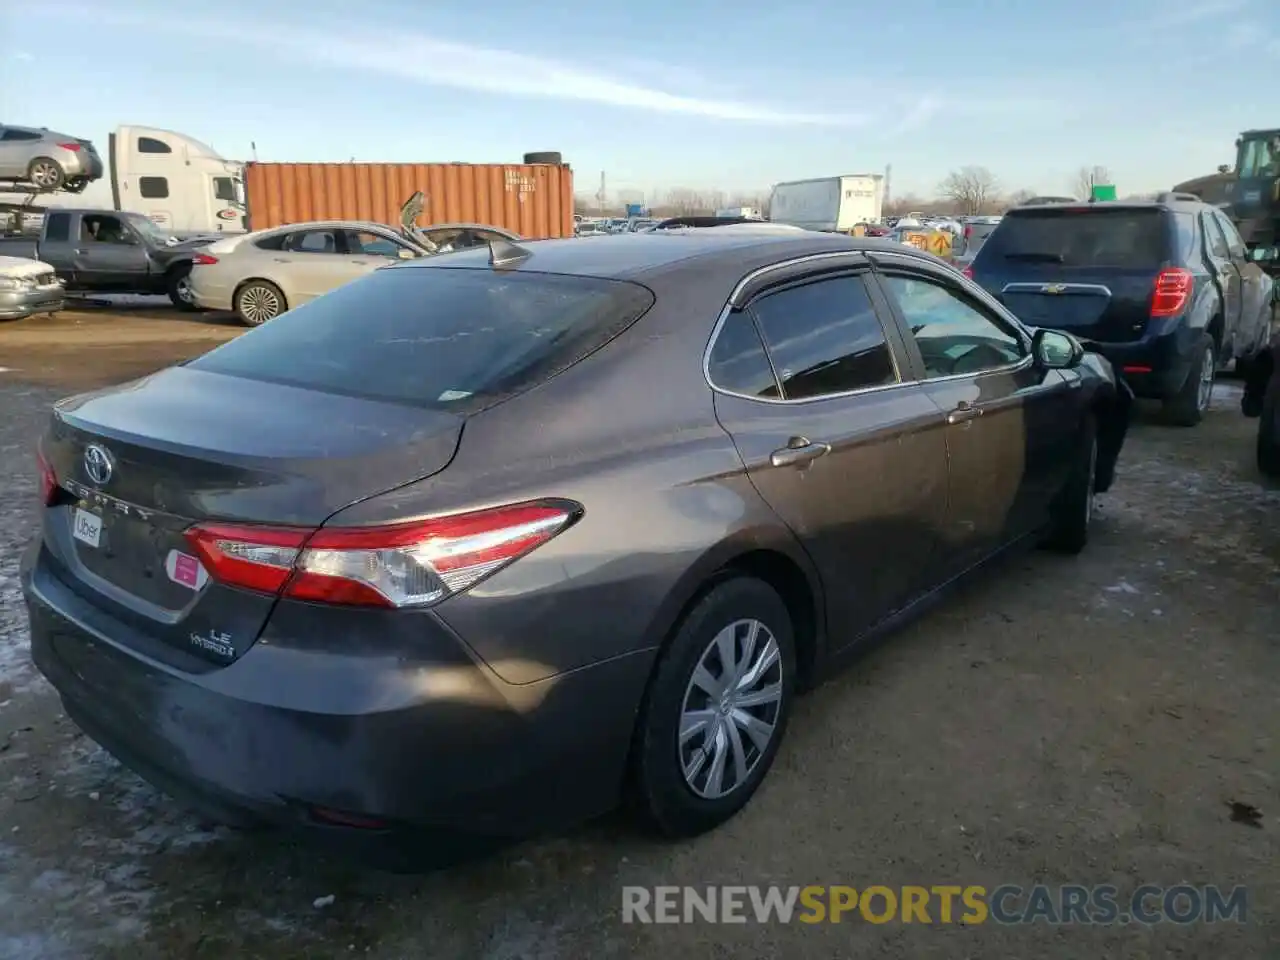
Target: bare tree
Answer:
[[1086, 178], [1021, 196], [971, 189]]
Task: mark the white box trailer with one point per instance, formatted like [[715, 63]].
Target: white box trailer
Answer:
[[833, 204]]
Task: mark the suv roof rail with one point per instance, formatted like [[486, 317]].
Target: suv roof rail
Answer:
[[1173, 196]]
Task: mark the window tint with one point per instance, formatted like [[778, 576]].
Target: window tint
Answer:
[[153, 188], [824, 337], [99, 228], [57, 227], [14, 135], [1234, 243], [1126, 237], [448, 339], [152, 145], [953, 335], [738, 362], [1214, 240], [272, 242], [313, 241], [1186, 226], [372, 244]]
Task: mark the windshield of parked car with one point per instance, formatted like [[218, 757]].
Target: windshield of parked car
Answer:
[[452, 339], [1127, 237]]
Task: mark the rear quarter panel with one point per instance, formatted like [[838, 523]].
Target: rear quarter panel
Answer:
[[631, 434]]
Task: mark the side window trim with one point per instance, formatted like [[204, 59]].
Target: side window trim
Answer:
[[1238, 248], [900, 266], [1215, 236]]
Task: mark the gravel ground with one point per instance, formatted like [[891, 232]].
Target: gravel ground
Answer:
[[1086, 721]]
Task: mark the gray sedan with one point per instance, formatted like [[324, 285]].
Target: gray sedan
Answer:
[[477, 545]]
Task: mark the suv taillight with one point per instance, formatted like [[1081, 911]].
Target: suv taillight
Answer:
[[398, 565], [1172, 291]]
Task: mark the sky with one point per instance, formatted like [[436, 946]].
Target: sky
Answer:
[[703, 94]]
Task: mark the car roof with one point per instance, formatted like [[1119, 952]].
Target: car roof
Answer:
[[318, 225], [632, 256]]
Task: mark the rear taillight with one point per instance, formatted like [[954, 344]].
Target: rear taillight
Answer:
[[417, 563], [48, 480], [1172, 291], [203, 260], [73, 147], [968, 231], [968, 272]]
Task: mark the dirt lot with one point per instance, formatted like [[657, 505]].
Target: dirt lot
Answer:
[[1059, 721]]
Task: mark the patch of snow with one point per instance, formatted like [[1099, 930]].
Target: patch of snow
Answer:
[[17, 674], [1124, 586]]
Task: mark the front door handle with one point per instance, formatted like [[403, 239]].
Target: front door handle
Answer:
[[798, 452], [964, 412]]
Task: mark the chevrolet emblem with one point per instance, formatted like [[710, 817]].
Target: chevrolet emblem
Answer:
[[1053, 288]]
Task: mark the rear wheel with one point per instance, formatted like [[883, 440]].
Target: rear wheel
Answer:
[[179, 287], [1269, 430], [716, 709], [259, 301], [45, 174], [1187, 407]]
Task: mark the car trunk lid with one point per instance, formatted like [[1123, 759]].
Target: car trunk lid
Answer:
[[144, 462]]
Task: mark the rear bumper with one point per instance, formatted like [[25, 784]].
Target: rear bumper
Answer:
[[16, 304], [431, 753], [79, 165], [1156, 366], [210, 294]]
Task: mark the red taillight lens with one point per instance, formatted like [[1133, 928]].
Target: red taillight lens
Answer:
[[968, 231], [968, 272], [203, 260], [399, 565], [73, 147], [48, 480], [1172, 291]]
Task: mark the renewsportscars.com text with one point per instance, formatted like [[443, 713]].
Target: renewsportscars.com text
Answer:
[[943, 903]]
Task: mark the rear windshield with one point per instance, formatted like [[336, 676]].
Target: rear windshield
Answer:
[[448, 339], [1080, 237]]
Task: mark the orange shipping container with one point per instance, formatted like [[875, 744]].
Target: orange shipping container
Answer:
[[533, 200]]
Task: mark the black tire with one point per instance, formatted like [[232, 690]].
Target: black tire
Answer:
[[1072, 512], [547, 156], [1187, 407], [660, 791], [253, 302], [46, 174], [1257, 374], [1269, 430], [178, 286]]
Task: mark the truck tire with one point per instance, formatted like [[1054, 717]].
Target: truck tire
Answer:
[[178, 286], [549, 156], [259, 301], [1187, 407], [1269, 431], [45, 174]]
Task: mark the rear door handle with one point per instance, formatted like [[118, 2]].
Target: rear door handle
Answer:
[[798, 452], [964, 412]]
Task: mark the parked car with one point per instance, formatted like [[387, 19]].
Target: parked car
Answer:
[[106, 251], [48, 161], [260, 275], [1164, 289], [28, 287], [429, 558]]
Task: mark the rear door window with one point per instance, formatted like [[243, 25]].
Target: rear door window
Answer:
[[738, 363], [1213, 237], [824, 338], [1123, 237], [313, 241], [1232, 235], [448, 339]]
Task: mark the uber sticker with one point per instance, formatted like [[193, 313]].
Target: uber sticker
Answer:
[[185, 569]]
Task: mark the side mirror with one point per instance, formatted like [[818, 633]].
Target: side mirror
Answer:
[[1055, 350]]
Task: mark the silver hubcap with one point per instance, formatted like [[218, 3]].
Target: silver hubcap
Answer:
[[44, 174], [731, 709], [1205, 391], [183, 289], [259, 304]]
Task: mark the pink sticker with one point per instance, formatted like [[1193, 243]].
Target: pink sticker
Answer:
[[185, 569]]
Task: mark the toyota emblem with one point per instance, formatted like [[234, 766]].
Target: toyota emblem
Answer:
[[98, 463]]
